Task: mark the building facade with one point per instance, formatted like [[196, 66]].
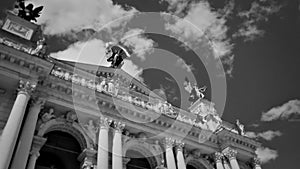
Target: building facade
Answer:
[[62, 115]]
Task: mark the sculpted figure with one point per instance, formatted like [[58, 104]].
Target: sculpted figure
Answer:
[[48, 115], [115, 54], [195, 92]]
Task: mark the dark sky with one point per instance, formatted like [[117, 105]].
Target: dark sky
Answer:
[[265, 74]]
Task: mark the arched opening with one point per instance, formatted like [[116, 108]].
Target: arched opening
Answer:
[[190, 167], [137, 160], [59, 152]]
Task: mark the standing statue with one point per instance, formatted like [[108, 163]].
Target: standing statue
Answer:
[[195, 92], [27, 12], [115, 54], [240, 127]]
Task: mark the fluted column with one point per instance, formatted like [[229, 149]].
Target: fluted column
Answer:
[[256, 163], [169, 142], [179, 156], [23, 148], [102, 156], [117, 154], [225, 164], [12, 128], [37, 144], [231, 155], [218, 160]]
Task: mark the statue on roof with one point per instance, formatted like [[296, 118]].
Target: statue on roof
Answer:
[[115, 54], [27, 12], [240, 127], [195, 92]]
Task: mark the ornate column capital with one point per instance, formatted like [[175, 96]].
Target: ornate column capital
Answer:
[[218, 157], [37, 144], [169, 142], [256, 161], [230, 153], [104, 122], [26, 87], [179, 145], [118, 126]]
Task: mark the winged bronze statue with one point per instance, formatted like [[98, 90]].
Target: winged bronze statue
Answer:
[[195, 92], [115, 54], [28, 12]]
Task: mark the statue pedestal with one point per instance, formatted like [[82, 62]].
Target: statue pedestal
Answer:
[[200, 106]]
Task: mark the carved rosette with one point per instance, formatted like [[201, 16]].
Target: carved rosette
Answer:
[[179, 145], [118, 126], [26, 87], [104, 122], [230, 153], [169, 142], [256, 161], [218, 157]]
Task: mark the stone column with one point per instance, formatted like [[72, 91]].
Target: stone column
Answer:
[[117, 153], [256, 163], [169, 142], [102, 156], [11, 130], [225, 164], [231, 155], [37, 144], [218, 160], [179, 156], [23, 148], [87, 158]]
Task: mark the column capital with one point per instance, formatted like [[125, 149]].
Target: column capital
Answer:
[[230, 153], [37, 144], [169, 142], [218, 157], [256, 161], [179, 145], [26, 87], [118, 126], [104, 122]]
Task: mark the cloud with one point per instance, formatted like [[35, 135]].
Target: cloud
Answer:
[[181, 63], [267, 135], [259, 11], [287, 111], [133, 69], [202, 23], [60, 17], [266, 154], [140, 44]]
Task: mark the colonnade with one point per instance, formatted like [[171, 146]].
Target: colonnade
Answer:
[[28, 147]]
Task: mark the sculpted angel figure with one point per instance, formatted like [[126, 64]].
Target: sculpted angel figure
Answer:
[[195, 92], [115, 54]]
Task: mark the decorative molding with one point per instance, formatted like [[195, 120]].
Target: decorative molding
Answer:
[[37, 143], [179, 145], [169, 142], [118, 126]]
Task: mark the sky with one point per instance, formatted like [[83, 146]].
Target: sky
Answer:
[[252, 45]]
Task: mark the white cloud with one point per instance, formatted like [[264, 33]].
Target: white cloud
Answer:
[[61, 17], [202, 23], [181, 63], [258, 12], [132, 69], [140, 45], [267, 135], [289, 110], [266, 154]]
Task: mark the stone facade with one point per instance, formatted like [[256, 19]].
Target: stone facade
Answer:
[[109, 114]]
